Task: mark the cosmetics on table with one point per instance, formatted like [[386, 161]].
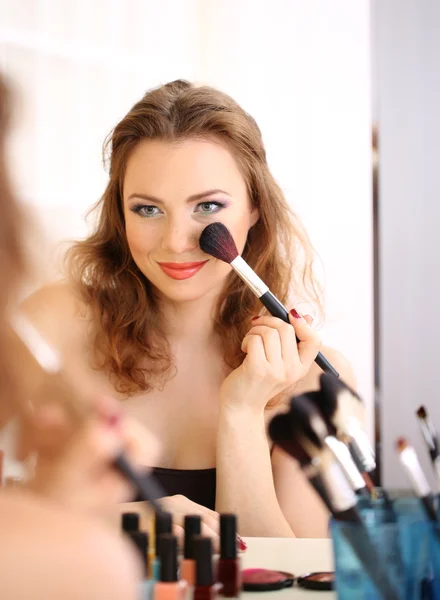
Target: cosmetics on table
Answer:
[[163, 524], [169, 586], [205, 587], [130, 522], [265, 580], [192, 527], [228, 566]]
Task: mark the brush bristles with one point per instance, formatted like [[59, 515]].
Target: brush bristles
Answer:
[[421, 412], [401, 444], [217, 241]]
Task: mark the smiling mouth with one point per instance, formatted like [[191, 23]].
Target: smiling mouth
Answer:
[[183, 270]]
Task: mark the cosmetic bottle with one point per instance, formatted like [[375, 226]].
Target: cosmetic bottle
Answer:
[[228, 566], [188, 564], [169, 587], [163, 524], [205, 588], [130, 522], [140, 540]]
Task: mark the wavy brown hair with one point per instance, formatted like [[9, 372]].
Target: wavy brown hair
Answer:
[[129, 341], [12, 262]]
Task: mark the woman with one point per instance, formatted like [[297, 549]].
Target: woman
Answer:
[[173, 331], [52, 543]]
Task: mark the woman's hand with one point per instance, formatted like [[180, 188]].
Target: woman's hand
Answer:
[[274, 361], [80, 475], [179, 506]]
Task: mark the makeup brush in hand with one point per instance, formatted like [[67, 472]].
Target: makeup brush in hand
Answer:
[[49, 361], [217, 241]]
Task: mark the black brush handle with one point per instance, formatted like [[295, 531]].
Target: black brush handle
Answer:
[[276, 309], [146, 487]]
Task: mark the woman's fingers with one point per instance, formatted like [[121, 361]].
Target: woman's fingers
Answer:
[[271, 342], [309, 341]]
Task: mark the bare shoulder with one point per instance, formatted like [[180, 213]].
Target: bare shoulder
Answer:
[[46, 552], [56, 309], [311, 381]]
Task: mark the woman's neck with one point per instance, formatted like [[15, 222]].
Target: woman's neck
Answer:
[[190, 322]]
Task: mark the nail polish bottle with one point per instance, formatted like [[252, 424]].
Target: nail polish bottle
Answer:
[[205, 588], [140, 540], [228, 566], [168, 587], [163, 524], [188, 565], [130, 522]]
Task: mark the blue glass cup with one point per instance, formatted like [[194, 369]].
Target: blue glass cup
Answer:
[[388, 556]]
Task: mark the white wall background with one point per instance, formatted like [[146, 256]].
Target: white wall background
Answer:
[[408, 93], [301, 68]]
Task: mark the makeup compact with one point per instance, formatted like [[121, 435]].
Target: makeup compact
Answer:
[[319, 581], [265, 580]]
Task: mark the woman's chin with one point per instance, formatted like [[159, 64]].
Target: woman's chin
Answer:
[[183, 291]]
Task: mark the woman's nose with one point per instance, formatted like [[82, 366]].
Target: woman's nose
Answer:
[[179, 238]]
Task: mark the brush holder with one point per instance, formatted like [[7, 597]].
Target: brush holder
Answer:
[[398, 548]]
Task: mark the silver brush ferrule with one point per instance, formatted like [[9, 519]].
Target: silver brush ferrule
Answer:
[[248, 275]]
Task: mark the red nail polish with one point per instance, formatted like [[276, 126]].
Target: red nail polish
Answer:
[[295, 314], [113, 420], [241, 543]]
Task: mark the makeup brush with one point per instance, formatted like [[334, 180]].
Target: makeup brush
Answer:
[[50, 361], [343, 500], [280, 432], [217, 241], [307, 421], [343, 408], [431, 439], [410, 462]]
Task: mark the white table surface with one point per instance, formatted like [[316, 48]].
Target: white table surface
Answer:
[[297, 556]]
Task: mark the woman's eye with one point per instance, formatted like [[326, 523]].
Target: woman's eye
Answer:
[[208, 208], [146, 210]]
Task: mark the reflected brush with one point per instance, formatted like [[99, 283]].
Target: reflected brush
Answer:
[[344, 410], [217, 241], [431, 439], [50, 361]]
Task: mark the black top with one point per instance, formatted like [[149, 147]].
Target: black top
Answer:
[[198, 485]]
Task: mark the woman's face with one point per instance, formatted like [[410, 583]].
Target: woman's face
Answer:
[[171, 192]]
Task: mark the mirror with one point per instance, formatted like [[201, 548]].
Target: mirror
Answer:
[[301, 69]]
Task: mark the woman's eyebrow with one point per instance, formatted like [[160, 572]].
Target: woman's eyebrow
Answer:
[[192, 198]]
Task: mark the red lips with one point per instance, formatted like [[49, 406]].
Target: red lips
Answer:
[[183, 270]]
